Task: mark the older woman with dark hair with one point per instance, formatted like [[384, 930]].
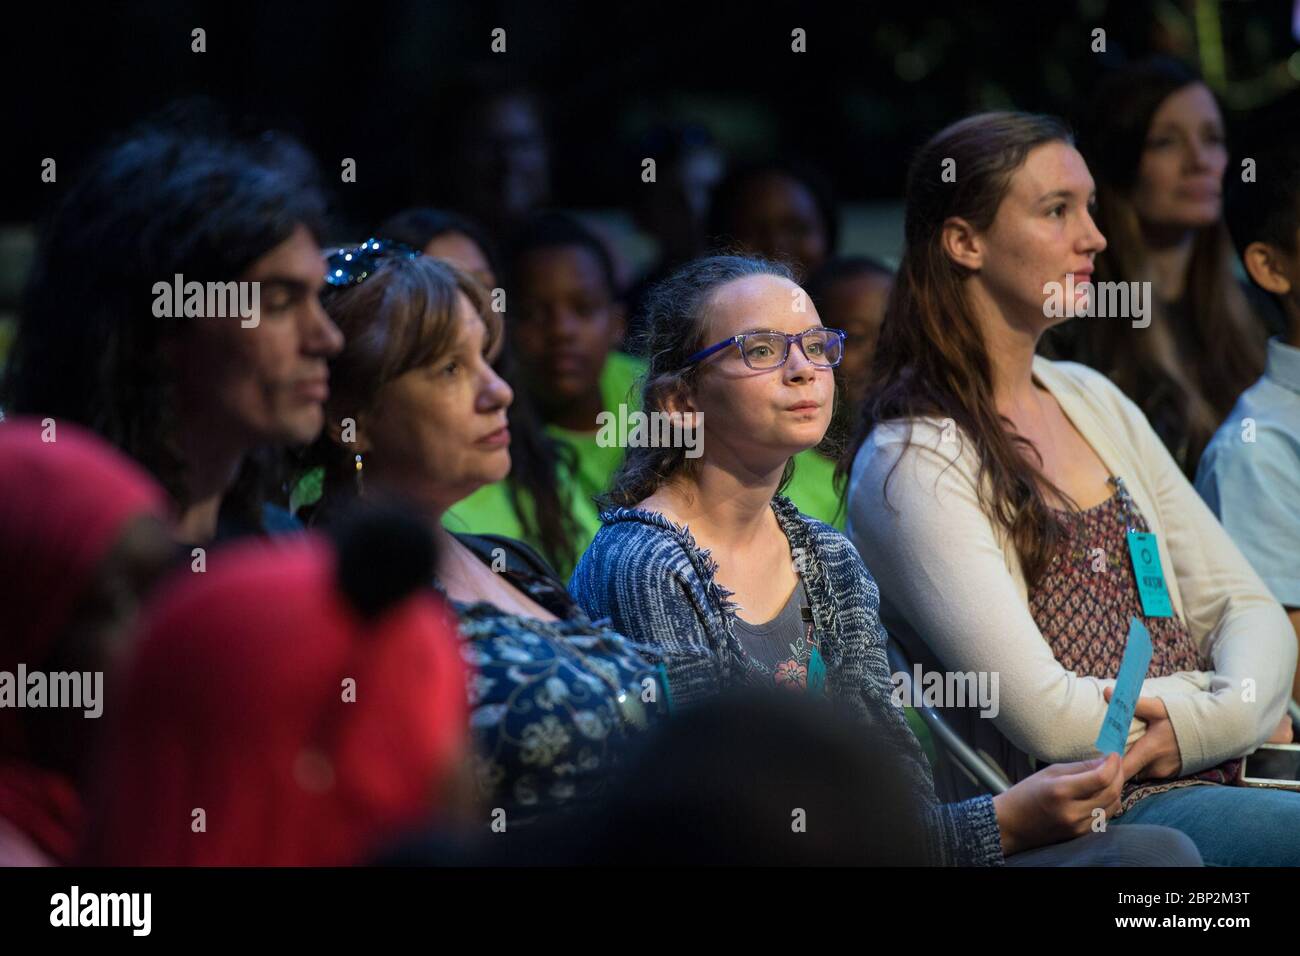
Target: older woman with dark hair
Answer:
[[419, 413], [529, 504]]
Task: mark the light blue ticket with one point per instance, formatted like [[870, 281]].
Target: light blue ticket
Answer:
[[1128, 687]]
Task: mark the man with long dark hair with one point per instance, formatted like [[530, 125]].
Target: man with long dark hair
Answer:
[[119, 331]]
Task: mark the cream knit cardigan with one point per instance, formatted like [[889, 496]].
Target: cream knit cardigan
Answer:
[[951, 580]]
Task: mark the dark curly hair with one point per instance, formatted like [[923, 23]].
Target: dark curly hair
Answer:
[[167, 198]]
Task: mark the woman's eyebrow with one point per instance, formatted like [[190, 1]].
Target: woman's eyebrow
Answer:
[[1057, 194], [817, 325], [1167, 128]]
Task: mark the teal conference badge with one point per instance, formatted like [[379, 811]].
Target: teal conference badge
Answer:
[[1150, 578]]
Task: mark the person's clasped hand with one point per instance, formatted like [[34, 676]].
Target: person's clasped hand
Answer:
[[1156, 753]]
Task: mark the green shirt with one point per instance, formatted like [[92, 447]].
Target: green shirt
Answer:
[[489, 511], [812, 489]]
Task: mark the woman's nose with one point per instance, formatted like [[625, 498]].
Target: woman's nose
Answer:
[[1093, 240], [1198, 154], [496, 392]]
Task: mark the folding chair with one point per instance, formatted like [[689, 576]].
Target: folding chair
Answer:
[[981, 770]]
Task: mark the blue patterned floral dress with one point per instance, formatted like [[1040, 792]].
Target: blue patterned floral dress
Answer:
[[553, 704]]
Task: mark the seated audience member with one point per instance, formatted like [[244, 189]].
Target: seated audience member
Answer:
[[528, 504], [494, 159], [82, 539], [564, 322], [995, 495], [172, 308], [759, 780], [782, 211], [704, 560], [785, 212], [1250, 474], [300, 703], [417, 412], [1154, 138], [746, 780], [672, 210], [444, 235]]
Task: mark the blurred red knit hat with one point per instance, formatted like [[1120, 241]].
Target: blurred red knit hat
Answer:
[[63, 504], [66, 497], [273, 717]]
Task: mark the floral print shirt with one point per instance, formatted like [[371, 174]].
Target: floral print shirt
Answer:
[[779, 648], [553, 704]]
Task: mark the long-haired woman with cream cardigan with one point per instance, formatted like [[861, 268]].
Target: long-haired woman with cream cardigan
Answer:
[[1000, 500]]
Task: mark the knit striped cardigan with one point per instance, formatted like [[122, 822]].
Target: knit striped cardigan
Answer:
[[655, 585]]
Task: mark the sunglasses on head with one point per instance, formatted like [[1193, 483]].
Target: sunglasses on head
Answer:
[[347, 267]]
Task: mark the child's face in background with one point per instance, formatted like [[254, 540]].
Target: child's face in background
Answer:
[[856, 304], [1277, 271], [563, 322], [777, 217], [464, 253]]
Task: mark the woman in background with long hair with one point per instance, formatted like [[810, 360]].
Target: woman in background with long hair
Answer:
[[1155, 141]]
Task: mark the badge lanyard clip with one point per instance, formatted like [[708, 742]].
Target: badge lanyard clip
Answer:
[[816, 665], [1144, 553]]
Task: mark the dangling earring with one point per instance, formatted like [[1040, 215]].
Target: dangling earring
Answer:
[[360, 483]]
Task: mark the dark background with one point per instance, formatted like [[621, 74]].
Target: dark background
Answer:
[[383, 82]]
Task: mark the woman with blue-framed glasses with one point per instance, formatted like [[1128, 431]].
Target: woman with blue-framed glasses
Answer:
[[763, 349], [741, 362], [702, 558]]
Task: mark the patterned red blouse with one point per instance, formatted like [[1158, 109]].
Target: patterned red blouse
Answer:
[[1083, 604]]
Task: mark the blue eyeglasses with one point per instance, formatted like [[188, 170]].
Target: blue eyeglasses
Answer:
[[347, 267], [766, 349]]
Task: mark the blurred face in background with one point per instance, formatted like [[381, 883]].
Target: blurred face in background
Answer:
[[465, 254], [1180, 175], [675, 212], [563, 323], [507, 160], [777, 217], [856, 304]]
